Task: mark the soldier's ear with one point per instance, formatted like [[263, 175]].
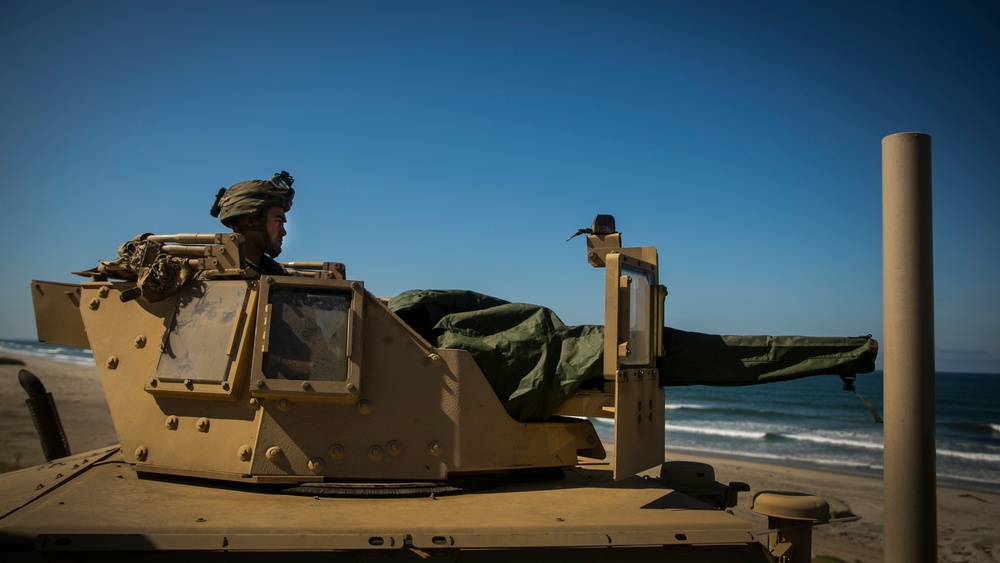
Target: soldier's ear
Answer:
[[247, 223]]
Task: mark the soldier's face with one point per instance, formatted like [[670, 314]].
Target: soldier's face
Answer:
[[274, 226]]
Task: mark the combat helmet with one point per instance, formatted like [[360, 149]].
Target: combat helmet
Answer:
[[253, 197]]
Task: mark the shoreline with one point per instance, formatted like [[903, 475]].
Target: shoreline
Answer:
[[968, 517], [851, 471]]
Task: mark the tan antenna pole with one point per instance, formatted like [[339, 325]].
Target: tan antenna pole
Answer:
[[908, 301]]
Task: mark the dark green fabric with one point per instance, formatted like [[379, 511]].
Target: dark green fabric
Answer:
[[533, 361], [693, 358]]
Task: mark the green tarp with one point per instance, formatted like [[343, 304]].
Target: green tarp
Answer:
[[533, 361]]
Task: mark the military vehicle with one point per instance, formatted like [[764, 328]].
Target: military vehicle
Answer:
[[298, 415]]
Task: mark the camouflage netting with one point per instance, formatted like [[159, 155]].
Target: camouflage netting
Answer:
[[533, 361]]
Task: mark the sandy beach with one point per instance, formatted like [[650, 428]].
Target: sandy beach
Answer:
[[968, 520]]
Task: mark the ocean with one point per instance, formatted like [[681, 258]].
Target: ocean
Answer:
[[814, 422], [808, 422]]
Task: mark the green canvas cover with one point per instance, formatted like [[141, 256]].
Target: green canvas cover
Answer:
[[534, 362]]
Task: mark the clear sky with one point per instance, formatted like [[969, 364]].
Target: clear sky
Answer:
[[458, 144]]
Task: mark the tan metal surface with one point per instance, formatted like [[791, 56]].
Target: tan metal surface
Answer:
[[57, 313], [170, 514], [630, 359], [417, 413]]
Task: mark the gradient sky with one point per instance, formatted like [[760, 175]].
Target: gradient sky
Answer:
[[458, 144]]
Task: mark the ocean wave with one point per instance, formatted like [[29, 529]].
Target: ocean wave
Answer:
[[981, 428], [725, 432], [684, 406], [970, 456], [51, 352], [828, 441]]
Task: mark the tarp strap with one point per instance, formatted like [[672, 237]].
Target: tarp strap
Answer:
[[848, 380]]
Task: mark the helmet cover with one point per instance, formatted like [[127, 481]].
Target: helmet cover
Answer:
[[252, 198]]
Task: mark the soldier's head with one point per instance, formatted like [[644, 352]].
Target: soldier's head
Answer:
[[256, 209]]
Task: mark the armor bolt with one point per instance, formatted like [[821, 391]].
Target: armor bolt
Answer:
[[140, 341], [273, 453], [141, 453], [244, 452], [171, 422], [202, 424], [112, 362]]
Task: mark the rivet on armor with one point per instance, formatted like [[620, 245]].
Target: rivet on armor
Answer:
[[94, 304], [103, 292], [434, 359], [140, 341], [141, 453], [305, 385], [436, 449], [253, 404], [336, 452], [375, 453], [274, 453], [269, 280], [351, 387], [315, 465], [364, 406], [259, 383], [244, 452], [224, 385], [171, 422], [153, 382], [202, 424], [188, 383], [284, 405], [394, 448], [112, 362]]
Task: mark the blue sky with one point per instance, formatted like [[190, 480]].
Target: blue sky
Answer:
[[458, 144]]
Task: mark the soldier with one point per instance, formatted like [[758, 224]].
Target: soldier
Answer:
[[256, 209]]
